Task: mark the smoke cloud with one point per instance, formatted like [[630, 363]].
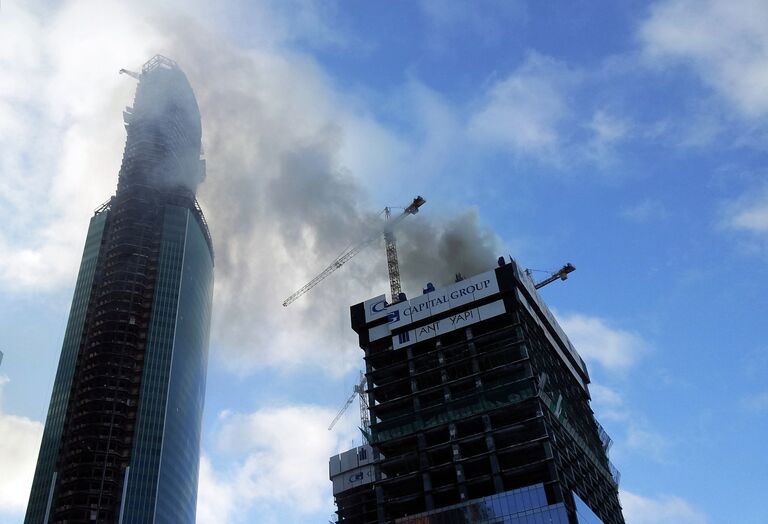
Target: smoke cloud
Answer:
[[434, 250], [164, 103], [285, 192], [282, 205]]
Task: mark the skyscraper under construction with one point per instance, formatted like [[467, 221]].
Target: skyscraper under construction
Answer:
[[479, 413], [122, 435]]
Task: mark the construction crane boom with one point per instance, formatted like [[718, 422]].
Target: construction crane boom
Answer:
[[342, 410], [336, 264], [561, 274], [347, 255], [359, 389]]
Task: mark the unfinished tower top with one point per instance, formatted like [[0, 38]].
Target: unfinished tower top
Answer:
[[163, 148], [158, 61]]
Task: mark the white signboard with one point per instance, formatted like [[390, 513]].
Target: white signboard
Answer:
[[352, 468], [352, 479], [378, 332], [428, 305], [441, 300], [448, 324], [375, 308]]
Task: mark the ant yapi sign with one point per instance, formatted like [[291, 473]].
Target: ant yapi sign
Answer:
[[447, 324]]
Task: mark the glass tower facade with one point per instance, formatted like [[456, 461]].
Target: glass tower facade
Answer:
[[122, 436]]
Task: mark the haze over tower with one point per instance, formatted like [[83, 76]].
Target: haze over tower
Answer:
[[122, 435], [163, 148]]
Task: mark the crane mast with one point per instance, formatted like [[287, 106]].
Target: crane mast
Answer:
[[393, 266]]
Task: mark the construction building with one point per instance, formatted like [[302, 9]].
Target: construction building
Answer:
[[122, 436], [479, 413]]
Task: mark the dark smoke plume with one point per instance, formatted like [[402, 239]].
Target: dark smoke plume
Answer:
[[434, 251], [281, 207]]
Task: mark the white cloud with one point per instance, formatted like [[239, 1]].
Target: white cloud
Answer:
[[646, 442], [276, 462], [750, 213], [647, 210], [541, 111], [754, 218], [746, 217], [663, 509], [724, 41], [634, 433], [60, 101], [216, 498], [19, 444], [441, 132], [756, 403], [487, 24], [522, 112], [605, 397], [301, 21], [614, 349], [607, 131], [607, 127]]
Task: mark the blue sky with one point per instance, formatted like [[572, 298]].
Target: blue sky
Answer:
[[627, 138]]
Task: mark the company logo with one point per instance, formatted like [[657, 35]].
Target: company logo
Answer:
[[356, 477], [375, 308], [393, 316], [378, 307]]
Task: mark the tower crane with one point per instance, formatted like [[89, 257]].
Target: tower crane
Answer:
[[392, 264], [561, 274], [358, 391]]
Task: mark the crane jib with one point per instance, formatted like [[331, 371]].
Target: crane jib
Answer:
[[392, 265]]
